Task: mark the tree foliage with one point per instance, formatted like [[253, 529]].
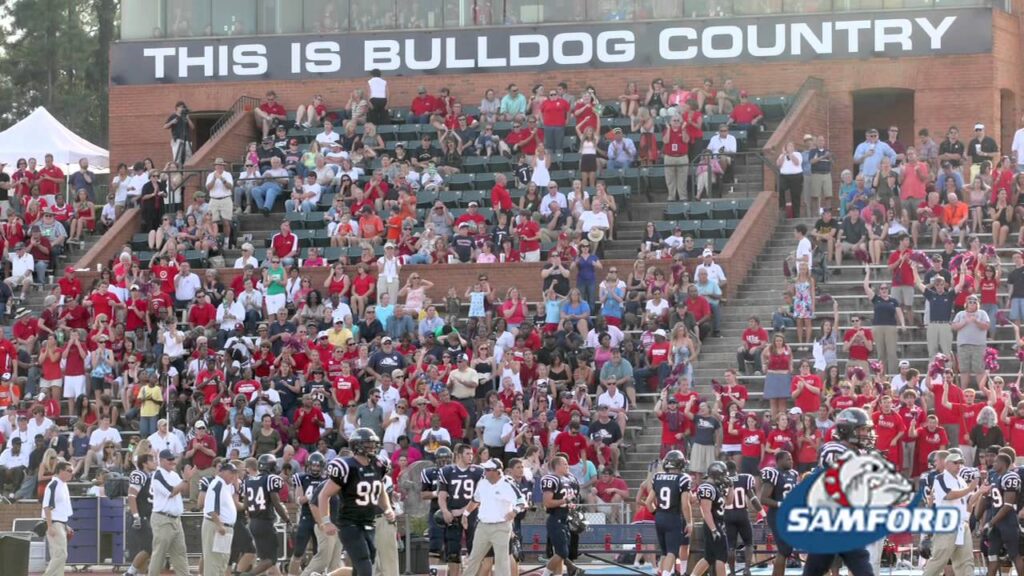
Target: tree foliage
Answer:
[[54, 53]]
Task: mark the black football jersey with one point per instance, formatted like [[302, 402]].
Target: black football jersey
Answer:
[[460, 484], [830, 453], [781, 483], [139, 484], [429, 480], [313, 492], [742, 490], [303, 484], [257, 496], [1006, 484], [204, 484], [361, 489], [566, 488], [712, 493], [669, 489]]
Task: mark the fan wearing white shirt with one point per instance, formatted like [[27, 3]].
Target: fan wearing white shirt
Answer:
[[246, 259], [164, 439], [804, 249], [305, 199], [722, 144]]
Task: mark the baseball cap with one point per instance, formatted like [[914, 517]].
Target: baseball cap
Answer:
[[228, 467], [979, 126], [904, 364], [69, 269], [167, 455], [708, 253], [743, 93], [397, 372], [660, 332], [385, 340], [955, 458], [492, 464], [200, 424]]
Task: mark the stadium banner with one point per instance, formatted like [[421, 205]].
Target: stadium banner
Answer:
[[880, 34]]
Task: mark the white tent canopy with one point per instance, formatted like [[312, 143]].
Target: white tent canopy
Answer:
[[40, 134]]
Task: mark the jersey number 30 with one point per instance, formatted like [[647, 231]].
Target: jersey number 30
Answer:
[[368, 493]]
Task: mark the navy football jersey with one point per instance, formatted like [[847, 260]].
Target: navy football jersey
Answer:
[[711, 492], [361, 489], [742, 491], [302, 484], [257, 496], [830, 452], [313, 492], [781, 483], [429, 480], [669, 488], [1006, 484], [139, 484], [566, 488], [460, 484]]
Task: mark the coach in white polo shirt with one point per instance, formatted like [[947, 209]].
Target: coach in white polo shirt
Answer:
[[498, 501], [57, 512], [950, 491], [220, 510], [168, 506]]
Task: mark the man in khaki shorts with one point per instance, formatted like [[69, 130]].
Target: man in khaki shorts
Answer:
[[220, 186], [819, 187]]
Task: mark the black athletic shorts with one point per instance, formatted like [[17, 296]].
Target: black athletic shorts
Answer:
[[139, 539], [738, 527], [780, 544], [671, 529], [715, 550], [303, 535], [241, 542], [265, 537], [558, 535], [1004, 540]]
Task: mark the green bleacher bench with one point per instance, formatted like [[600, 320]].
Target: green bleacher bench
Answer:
[[461, 181]]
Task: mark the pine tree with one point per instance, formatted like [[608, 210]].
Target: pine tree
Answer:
[[54, 53]]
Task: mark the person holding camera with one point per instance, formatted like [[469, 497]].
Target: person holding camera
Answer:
[[180, 125]]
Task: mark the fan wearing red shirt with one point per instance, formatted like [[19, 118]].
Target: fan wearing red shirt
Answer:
[[902, 269], [754, 339], [529, 238], [346, 387], [890, 428], [308, 420], [1015, 424], [7, 352], [572, 443], [70, 286], [859, 342], [733, 392], [202, 449], [913, 417], [453, 415], [50, 177], [745, 114], [284, 244], [247, 388], [930, 438], [948, 415], [564, 413], [26, 330], [554, 113], [525, 140], [422, 106], [806, 389], [269, 114], [845, 398], [585, 112], [137, 315], [166, 273], [752, 440], [501, 199], [103, 302], [202, 313], [779, 438]]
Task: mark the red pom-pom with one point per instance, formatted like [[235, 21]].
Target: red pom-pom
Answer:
[[991, 359], [861, 255], [876, 366]]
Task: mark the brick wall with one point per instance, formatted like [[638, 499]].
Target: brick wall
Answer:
[[748, 241], [229, 144], [15, 510], [112, 241], [138, 112], [808, 115], [736, 259]]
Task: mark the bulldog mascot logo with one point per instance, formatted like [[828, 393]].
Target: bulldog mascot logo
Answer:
[[860, 481]]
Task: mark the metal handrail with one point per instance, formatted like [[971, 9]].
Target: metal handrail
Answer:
[[242, 104]]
